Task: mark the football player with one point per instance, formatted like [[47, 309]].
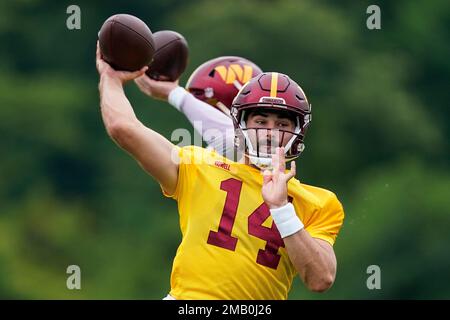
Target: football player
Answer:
[[216, 82], [245, 235]]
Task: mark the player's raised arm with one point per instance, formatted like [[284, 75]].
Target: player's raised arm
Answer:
[[150, 149], [206, 102]]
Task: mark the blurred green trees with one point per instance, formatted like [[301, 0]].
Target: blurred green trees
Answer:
[[379, 139]]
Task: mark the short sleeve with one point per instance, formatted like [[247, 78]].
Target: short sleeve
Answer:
[[327, 221], [185, 159]]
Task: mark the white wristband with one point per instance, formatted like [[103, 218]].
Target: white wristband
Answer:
[[176, 97], [286, 220]]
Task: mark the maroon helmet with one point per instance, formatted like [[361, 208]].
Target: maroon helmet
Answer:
[[271, 91], [217, 81]]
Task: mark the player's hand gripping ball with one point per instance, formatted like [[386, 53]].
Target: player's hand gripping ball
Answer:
[[126, 42]]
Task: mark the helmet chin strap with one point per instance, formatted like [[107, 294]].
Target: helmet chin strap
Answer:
[[237, 85], [223, 108]]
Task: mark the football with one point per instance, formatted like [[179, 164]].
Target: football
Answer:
[[171, 56], [126, 42]]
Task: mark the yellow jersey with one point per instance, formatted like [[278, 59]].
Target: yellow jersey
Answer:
[[230, 247]]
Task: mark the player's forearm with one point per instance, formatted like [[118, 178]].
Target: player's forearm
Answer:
[[206, 120], [316, 266], [116, 110], [150, 149], [210, 118]]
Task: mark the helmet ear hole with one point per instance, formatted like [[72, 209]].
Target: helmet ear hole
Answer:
[[211, 74], [197, 92]]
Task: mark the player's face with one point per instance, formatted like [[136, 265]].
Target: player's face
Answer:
[[272, 128]]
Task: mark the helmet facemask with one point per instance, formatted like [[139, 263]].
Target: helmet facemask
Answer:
[[259, 144]]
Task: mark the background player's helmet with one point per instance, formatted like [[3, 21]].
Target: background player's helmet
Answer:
[[219, 80], [275, 92]]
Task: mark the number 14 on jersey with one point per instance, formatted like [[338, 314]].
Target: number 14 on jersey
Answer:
[[222, 238]]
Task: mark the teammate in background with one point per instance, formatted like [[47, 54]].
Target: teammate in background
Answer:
[[244, 235], [215, 82]]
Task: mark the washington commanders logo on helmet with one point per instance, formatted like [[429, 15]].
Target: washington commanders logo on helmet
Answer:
[[233, 72], [217, 81]]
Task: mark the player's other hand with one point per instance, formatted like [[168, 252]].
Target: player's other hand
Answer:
[[274, 189], [105, 70], [155, 88]]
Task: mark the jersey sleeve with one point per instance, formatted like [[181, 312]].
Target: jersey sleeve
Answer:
[[327, 221], [188, 158], [186, 168]]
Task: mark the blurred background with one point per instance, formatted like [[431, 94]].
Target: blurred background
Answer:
[[379, 139]]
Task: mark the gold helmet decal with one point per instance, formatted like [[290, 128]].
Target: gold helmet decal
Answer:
[[235, 72], [274, 85]]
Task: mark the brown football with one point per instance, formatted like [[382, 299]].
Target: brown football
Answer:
[[126, 42], [171, 56]]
